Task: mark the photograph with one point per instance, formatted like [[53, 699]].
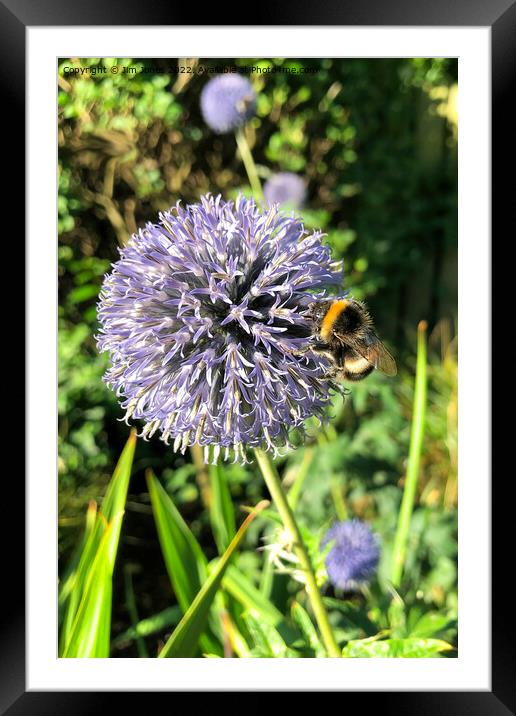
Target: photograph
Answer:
[[257, 357]]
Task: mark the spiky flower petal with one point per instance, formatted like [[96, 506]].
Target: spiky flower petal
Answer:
[[353, 558], [203, 319]]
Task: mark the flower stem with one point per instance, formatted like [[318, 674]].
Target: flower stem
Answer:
[[202, 474], [416, 444], [273, 482], [250, 166], [301, 473]]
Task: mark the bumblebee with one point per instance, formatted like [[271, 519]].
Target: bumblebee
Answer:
[[344, 332]]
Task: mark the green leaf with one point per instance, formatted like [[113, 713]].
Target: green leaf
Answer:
[[185, 637], [417, 433], [146, 627], [237, 641], [69, 579], [268, 642], [410, 648], [431, 623], [302, 619], [244, 591], [222, 512], [90, 633], [186, 564], [352, 615], [130, 603], [85, 595]]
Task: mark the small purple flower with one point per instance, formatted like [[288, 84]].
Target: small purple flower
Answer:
[[285, 189], [227, 102], [202, 317], [353, 558]]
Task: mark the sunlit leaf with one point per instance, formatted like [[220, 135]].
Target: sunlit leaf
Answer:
[[145, 627], [302, 619], [410, 648], [236, 640], [186, 564], [268, 642], [184, 559], [222, 513], [87, 592], [185, 637], [431, 623], [244, 591]]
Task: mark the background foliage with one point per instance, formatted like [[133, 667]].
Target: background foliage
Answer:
[[376, 141]]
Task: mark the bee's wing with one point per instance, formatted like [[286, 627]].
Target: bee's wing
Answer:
[[379, 356], [373, 351]]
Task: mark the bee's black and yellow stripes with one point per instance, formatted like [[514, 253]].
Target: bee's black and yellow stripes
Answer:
[[334, 311]]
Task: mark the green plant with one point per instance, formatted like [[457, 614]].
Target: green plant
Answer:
[[376, 143]]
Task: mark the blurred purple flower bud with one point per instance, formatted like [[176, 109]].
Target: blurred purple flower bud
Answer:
[[286, 189], [353, 558], [227, 102]]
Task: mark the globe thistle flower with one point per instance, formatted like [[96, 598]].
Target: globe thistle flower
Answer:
[[203, 319], [285, 189], [353, 558], [227, 102]]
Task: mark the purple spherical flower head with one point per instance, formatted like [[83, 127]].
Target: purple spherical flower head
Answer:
[[202, 317], [353, 558], [227, 102], [285, 189]]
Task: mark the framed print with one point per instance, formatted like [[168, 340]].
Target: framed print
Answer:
[[258, 438]]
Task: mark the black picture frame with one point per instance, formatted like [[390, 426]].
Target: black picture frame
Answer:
[[500, 15]]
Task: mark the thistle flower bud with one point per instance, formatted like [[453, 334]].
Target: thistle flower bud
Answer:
[[203, 319], [227, 102], [353, 558], [286, 189]]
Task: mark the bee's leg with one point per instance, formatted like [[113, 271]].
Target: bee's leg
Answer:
[[334, 373], [335, 369], [319, 347], [340, 357]]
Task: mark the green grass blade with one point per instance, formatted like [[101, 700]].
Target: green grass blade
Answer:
[[299, 477], [150, 625], [244, 591], [183, 642], [69, 596], [236, 639], [267, 575], [432, 623], [66, 585], [268, 642], [89, 635], [112, 505], [130, 601], [115, 497], [305, 624], [416, 445], [222, 512], [85, 596], [186, 564], [410, 648]]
